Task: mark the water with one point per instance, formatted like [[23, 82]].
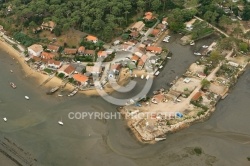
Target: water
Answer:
[[32, 125]]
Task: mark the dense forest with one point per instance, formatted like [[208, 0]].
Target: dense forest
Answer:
[[105, 18]]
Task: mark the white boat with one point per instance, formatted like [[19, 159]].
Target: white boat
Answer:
[[169, 57], [142, 76], [157, 73], [204, 46], [159, 139], [60, 95], [192, 43], [60, 122], [11, 71], [5, 119], [160, 67], [26, 97], [147, 77], [197, 53], [135, 75]]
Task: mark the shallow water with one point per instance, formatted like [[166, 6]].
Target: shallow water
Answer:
[[32, 125]]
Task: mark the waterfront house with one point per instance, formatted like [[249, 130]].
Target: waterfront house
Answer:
[[47, 55], [189, 24], [50, 25], [148, 16], [70, 51], [81, 50], [138, 26], [54, 64], [92, 38], [53, 48], [89, 53], [67, 70], [81, 79], [102, 54], [35, 50], [154, 49]]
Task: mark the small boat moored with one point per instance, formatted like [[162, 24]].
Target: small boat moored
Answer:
[[73, 93], [53, 90], [12, 85], [60, 122], [26, 97], [5, 119], [142, 76]]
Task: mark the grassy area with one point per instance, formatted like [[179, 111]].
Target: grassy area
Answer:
[[49, 71]]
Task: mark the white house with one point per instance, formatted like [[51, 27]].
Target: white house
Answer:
[[54, 64], [35, 50]]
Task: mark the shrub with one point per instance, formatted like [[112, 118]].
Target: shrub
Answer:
[[198, 150], [61, 75]]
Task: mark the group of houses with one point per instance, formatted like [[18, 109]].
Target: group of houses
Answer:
[[67, 70]]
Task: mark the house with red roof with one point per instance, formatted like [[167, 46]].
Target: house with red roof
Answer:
[[81, 50], [70, 51], [142, 61], [89, 52], [81, 79], [155, 32], [135, 58], [54, 64], [53, 48], [154, 49], [47, 55], [148, 16], [92, 38], [102, 54], [196, 96], [67, 70]]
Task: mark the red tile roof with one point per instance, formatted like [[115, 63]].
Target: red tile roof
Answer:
[[89, 52], [102, 53], [154, 49], [91, 38], [135, 58], [80, 78], [196, 96], [53, 48], [47, 55], [53, 62], [70, 51], [155, 32], [81, 49], [148, 16], [70, 69]]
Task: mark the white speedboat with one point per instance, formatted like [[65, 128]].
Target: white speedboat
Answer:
[[157, 73], [147, 77], [192, 43], [60, 95], [11, 71], [5, 119], [26, 97], [204, 46], [60, 122], [142, 76], [135, 75]]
